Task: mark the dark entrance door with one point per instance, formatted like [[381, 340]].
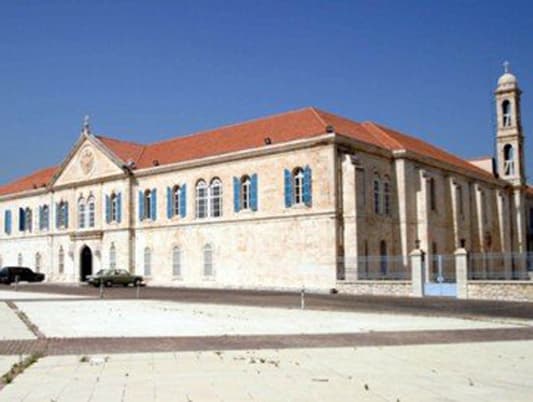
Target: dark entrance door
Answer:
[[86, 263]]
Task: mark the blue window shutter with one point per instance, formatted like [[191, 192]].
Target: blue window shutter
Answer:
[[154, 204], [308, 193], [288, 188], [57, 215], [236, 194], [65, 208], [253, 192], [119, 207], [107, 209], [7, 222], [183, 200], [46, 214], [21, 219], [170, 209], [141, 205], [40, 217]]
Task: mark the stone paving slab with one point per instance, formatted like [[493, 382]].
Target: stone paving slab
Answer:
[[125, 318], [11, 327], [10, 294], [499, 371]]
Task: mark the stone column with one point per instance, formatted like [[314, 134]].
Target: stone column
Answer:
[[461, 272], [417, 258]]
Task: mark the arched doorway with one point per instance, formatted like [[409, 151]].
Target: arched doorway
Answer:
[[86, 263]]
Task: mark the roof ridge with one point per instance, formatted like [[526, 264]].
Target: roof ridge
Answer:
[[317, 112], [378, 127], [210, 130]]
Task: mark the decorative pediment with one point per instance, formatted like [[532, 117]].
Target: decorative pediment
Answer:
[[88, 160]]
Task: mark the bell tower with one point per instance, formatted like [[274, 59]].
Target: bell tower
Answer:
[[509, 136]]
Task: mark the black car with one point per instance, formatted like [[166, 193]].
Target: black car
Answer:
[[9, 275]]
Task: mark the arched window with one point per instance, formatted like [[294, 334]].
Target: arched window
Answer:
[[432, 194], [484, 207], [114, 207], [20, 260], [61, 260], [147, 262], [62, 212], [383, 260], [201, 199], [28, 220], [506, 113], [45, 217], [112, 256], [91, 206], [508, 160], [147, 204], [215, 198], [176, 194], [81, 213], [208, 261], [246, 186], [377, 195], [37, 262], [387, 197], [176, 261], [298, 185]]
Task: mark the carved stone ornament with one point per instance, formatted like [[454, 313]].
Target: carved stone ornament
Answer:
[[87, 160]]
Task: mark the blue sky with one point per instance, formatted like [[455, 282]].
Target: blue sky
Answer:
[[146, 71]]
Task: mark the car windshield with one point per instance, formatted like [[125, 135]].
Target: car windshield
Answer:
[[3, 271], [122, 272]]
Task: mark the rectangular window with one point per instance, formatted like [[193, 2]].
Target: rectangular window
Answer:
[[432, 194], [460, 200], [531, 220], [360, 189]]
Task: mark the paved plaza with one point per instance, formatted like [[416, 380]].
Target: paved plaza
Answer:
[[164, 349]]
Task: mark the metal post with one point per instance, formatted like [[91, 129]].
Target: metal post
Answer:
[[16, 283], [101, 289], [138, 290], [302, 298]]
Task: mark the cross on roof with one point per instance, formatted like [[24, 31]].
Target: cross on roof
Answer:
[[506, 66]]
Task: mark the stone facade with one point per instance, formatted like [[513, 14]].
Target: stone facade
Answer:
[[367, 200], [501, 290]]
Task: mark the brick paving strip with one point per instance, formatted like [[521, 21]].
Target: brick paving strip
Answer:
[[80, 346], [24, 318]]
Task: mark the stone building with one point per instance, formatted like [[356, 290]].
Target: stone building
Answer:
[[301, 198]]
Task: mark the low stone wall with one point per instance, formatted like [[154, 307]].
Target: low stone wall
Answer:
[[376, 288], [500, 290]]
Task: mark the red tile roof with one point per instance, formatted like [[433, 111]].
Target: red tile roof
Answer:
[[285, 127], [35, 180]]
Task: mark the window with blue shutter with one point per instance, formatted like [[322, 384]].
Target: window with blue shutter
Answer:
[[236, 194], [308, 189], [253, 192], [154, 205], [7, 222], [183, 201], [46, 217], [170, 209], [65, 209], [57, 215], [141, 205], [40, 217], [107, 209], [22, 216], [119, 207], [288, 188]]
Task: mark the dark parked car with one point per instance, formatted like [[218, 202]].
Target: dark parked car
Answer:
[[10, 274], [110, 277]]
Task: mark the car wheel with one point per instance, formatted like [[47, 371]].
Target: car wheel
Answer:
[[136, 282], [108, 284]]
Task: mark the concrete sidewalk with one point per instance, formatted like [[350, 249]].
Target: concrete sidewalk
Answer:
[[465, 372]]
